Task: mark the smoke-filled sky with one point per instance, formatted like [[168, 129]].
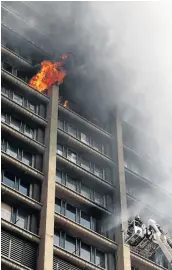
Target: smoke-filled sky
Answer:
[[123, 51]]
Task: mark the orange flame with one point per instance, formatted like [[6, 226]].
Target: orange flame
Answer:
[[49, 74], [66, 103]]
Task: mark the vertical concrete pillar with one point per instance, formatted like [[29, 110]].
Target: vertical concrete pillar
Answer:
[[123, 253], [45, 256]]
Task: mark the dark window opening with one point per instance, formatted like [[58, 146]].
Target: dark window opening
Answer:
[[7, 67]]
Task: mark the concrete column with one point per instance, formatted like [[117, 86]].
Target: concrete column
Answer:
[[45, 257], [123, 252]]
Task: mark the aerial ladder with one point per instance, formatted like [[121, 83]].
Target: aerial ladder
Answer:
[[147, 239]]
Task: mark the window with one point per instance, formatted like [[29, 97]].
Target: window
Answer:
[[71, 212], [57, 205], [24, 188], [71, 183], [5, 91], [85, 220], [12, 151], [71, 130], [28, 131], [85, 252], [57, 239], [27, 158], [58, 176], [98, 171], [85, 138], [14, 123], [98, 198], [7, 67], [9, 179], [85, 191], [31, 107], [70, 244], [71, 156], [100, 259], [18, 99], [97, 146], [21, 219], [59, 149], [60, 124], [3, 117], [6, 211], [85, 164]]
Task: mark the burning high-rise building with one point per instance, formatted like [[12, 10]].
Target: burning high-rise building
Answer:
[[67, 178]]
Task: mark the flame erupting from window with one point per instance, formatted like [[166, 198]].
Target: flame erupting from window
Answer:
[[66, 104], [49, 74]]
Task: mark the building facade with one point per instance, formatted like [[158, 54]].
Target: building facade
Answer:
[[68, 180]]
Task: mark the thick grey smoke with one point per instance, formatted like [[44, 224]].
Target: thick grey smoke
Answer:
[[123, 53]]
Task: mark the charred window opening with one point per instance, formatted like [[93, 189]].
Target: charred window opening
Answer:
[[7, 67]]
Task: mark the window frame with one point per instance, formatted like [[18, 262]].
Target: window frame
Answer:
[[89, 168], [98, 167], [26, 220], [32, 157], [7, 144], [15, 179], [68, 125], [58, 144], [22, 98], [61, 176], [24, 131], [67, 235], [73, 152], [66, 209], [84, 141], [73, 179], [11, 118], [56, 198]]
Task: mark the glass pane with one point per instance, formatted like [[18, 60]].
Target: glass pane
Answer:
[[12, 151], [27, 158], [60, 124], [9, 179], [18, 99], [70, 244], [71, 212], [57, 205], [85, 252], [15, 124], [21, 219], [97, 145], [98, 171], [85, 220], [32, 107], [28, 131], [98, 198], [71, 156], [57, 239], [85, 164], [6, 211], [58, 176], [2, 117], [100, 259], [85, 191], [5, 91], [72, 130], [24, 188], [71, 183], [7, 67], [59, 149], [85, 138]]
